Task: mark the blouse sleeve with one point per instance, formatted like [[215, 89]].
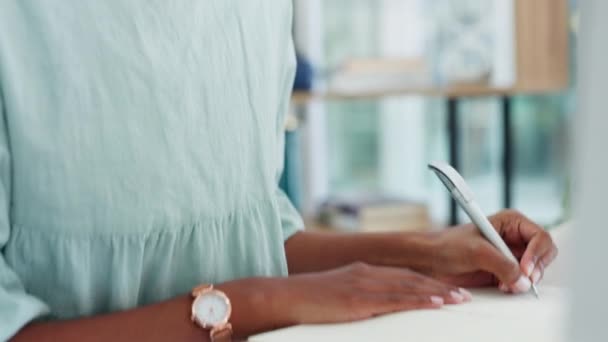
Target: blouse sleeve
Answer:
[[291, 220], [17, 307]]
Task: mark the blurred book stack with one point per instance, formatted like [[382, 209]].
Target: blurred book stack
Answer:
[[358, 75], [374, 214]]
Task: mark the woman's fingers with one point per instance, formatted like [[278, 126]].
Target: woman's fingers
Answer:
[[538, 273], [403, 280], [548, 258], [361, 291], [513, 277], [535, 265], [377, 303], [518, 230], [539, 269], [541, 247], [394, 302], [491, 260], [450, 294]]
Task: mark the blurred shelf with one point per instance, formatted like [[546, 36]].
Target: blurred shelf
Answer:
[[313, 225], [304, 97], [541, 62]]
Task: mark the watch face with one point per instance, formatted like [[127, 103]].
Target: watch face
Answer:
[[212, 308]]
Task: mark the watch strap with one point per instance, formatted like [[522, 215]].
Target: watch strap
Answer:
[[222, 333], [201, 289]]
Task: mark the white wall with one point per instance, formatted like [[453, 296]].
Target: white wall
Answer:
[[402, 122], [590, 304]]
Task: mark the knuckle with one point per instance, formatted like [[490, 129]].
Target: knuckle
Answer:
[[359, 267], [545, 236], [512, 213]]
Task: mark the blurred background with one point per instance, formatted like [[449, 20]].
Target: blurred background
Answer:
[[386, 86]]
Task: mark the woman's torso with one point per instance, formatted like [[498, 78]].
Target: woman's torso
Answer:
[[144, 139]]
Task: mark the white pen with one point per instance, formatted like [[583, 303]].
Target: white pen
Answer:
[[460, 191]]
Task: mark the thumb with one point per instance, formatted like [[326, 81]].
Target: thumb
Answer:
[[507, 272]]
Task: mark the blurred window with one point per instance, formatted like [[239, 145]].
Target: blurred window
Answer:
[[384, 145]]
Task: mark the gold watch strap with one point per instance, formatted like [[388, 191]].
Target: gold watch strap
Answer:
[[200, 289], [222, 334]]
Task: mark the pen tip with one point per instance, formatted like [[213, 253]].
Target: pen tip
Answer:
[[535, 290]]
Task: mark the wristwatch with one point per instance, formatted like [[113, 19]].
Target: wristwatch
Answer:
[[211, 310]]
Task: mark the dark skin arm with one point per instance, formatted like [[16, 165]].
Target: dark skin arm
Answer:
[[312, 251], [459, 256], [165, 321], [353, 292]]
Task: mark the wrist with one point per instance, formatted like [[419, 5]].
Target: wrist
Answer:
[[257, 304], [416, 250]]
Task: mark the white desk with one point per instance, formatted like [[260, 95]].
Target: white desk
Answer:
[[491, 316]]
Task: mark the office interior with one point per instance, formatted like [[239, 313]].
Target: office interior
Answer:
[[388, 86]]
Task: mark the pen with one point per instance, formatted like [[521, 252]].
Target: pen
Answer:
[[460, 191]]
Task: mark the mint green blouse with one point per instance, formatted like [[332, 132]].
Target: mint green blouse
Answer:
[[140, 149]]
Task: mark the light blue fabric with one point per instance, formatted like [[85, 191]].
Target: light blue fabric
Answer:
[[140, 149]]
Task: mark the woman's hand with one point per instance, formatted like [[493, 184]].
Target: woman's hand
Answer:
[[464, 258], [361, 291], [459, 256], [349, 293]]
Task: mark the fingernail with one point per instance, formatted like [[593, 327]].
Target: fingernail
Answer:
[[535, 276], [503, 287], [457, 296], [436, 300], [522, 285], [466, 294], [529, 269]]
